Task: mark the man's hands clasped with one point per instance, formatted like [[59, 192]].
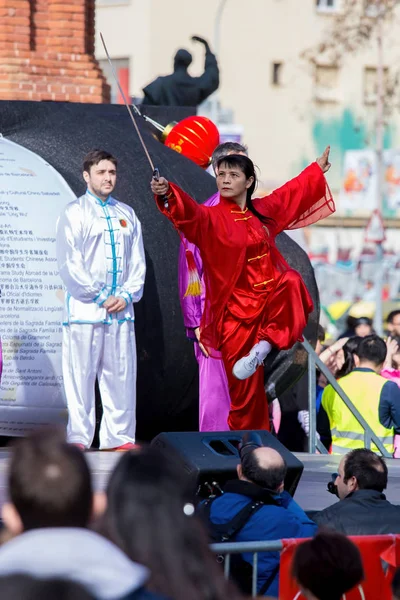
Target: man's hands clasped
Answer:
[[114, 304]]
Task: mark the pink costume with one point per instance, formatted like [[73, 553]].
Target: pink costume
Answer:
[[392, 374], [214, 400]]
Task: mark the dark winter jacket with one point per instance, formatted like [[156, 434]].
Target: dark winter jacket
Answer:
[[363, 512]]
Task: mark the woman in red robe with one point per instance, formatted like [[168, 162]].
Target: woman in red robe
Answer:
[[254, 300]]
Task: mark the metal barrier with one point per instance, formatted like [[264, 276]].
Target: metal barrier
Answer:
[[228, 548], [313, 442]]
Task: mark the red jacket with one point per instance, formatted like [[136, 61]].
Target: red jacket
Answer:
[[223, 241]]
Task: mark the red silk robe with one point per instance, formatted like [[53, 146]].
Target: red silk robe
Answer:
[[251, 292]]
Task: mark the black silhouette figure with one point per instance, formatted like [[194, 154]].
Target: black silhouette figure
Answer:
[[180, 88]]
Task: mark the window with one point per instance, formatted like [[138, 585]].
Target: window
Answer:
[[327, 5], [121, 66], [326, 83], [371, 83], [276, 73]]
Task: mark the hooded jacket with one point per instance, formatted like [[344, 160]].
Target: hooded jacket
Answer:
[[79, 555]]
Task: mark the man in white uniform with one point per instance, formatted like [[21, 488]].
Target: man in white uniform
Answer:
[[102, 264]]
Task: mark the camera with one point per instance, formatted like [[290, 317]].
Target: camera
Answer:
[[332, 487], [250, 441]]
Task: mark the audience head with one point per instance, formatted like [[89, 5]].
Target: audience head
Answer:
[[396, 355], [353, 343], [360, 326], [363, 326], [372, 352], [150, 517], [393, 322], [24, 587], [327, 566], [264, 467], [361, 469], [396, 585], [49, 484], [350, 357]]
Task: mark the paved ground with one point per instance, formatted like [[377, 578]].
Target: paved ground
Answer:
[[311, 493]]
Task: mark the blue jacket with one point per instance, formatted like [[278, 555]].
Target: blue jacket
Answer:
[[285, 519]]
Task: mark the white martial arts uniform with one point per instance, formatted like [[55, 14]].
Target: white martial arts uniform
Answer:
[[100, 254]]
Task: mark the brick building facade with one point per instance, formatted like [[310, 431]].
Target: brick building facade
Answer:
[[47, 51]]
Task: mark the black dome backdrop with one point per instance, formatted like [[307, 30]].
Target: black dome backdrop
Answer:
[[62, 133]]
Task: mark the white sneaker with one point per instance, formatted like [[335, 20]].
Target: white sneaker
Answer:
[[246, 367]]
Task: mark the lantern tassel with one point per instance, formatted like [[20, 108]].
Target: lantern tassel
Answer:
[[194, 283]]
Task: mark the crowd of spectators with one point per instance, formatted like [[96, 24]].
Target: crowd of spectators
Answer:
[[146, 538], [367, 369]]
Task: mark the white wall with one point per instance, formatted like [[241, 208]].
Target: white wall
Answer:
[[283, 126]]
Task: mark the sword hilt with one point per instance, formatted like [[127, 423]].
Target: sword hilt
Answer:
[[156, 176]]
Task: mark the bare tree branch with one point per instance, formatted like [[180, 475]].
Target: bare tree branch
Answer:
[[352, 29]]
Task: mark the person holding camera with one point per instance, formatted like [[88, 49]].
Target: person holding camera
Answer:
[[255, 507], [363, 508]]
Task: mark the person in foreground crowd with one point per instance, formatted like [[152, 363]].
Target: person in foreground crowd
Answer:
[[357, 326], [23, 587], [396, 585], [391, 367], [214, 399], [254, 301], [261, 475], [102, 264], [327, 567], [393, 323], [363, 508], [150, 516], [295, 424], [376, 398], [341, 358], [51, 505]]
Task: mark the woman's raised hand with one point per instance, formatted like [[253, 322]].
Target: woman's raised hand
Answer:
[[159, 186], [323, 160]]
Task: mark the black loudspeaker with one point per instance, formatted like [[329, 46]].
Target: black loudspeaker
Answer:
[[211, 458]]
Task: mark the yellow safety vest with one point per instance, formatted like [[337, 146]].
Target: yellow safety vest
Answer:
[[364, 390]]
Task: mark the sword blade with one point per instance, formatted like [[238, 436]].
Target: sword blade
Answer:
[[128, 107]]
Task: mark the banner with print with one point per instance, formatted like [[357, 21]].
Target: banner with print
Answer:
[[32, 195], [358, 194]]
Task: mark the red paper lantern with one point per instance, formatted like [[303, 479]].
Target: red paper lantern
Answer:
[[194, 137]]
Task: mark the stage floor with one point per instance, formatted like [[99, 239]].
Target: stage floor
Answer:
[[311, 493]]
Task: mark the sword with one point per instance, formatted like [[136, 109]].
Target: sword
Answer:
[[121, 91], [156, 172]]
